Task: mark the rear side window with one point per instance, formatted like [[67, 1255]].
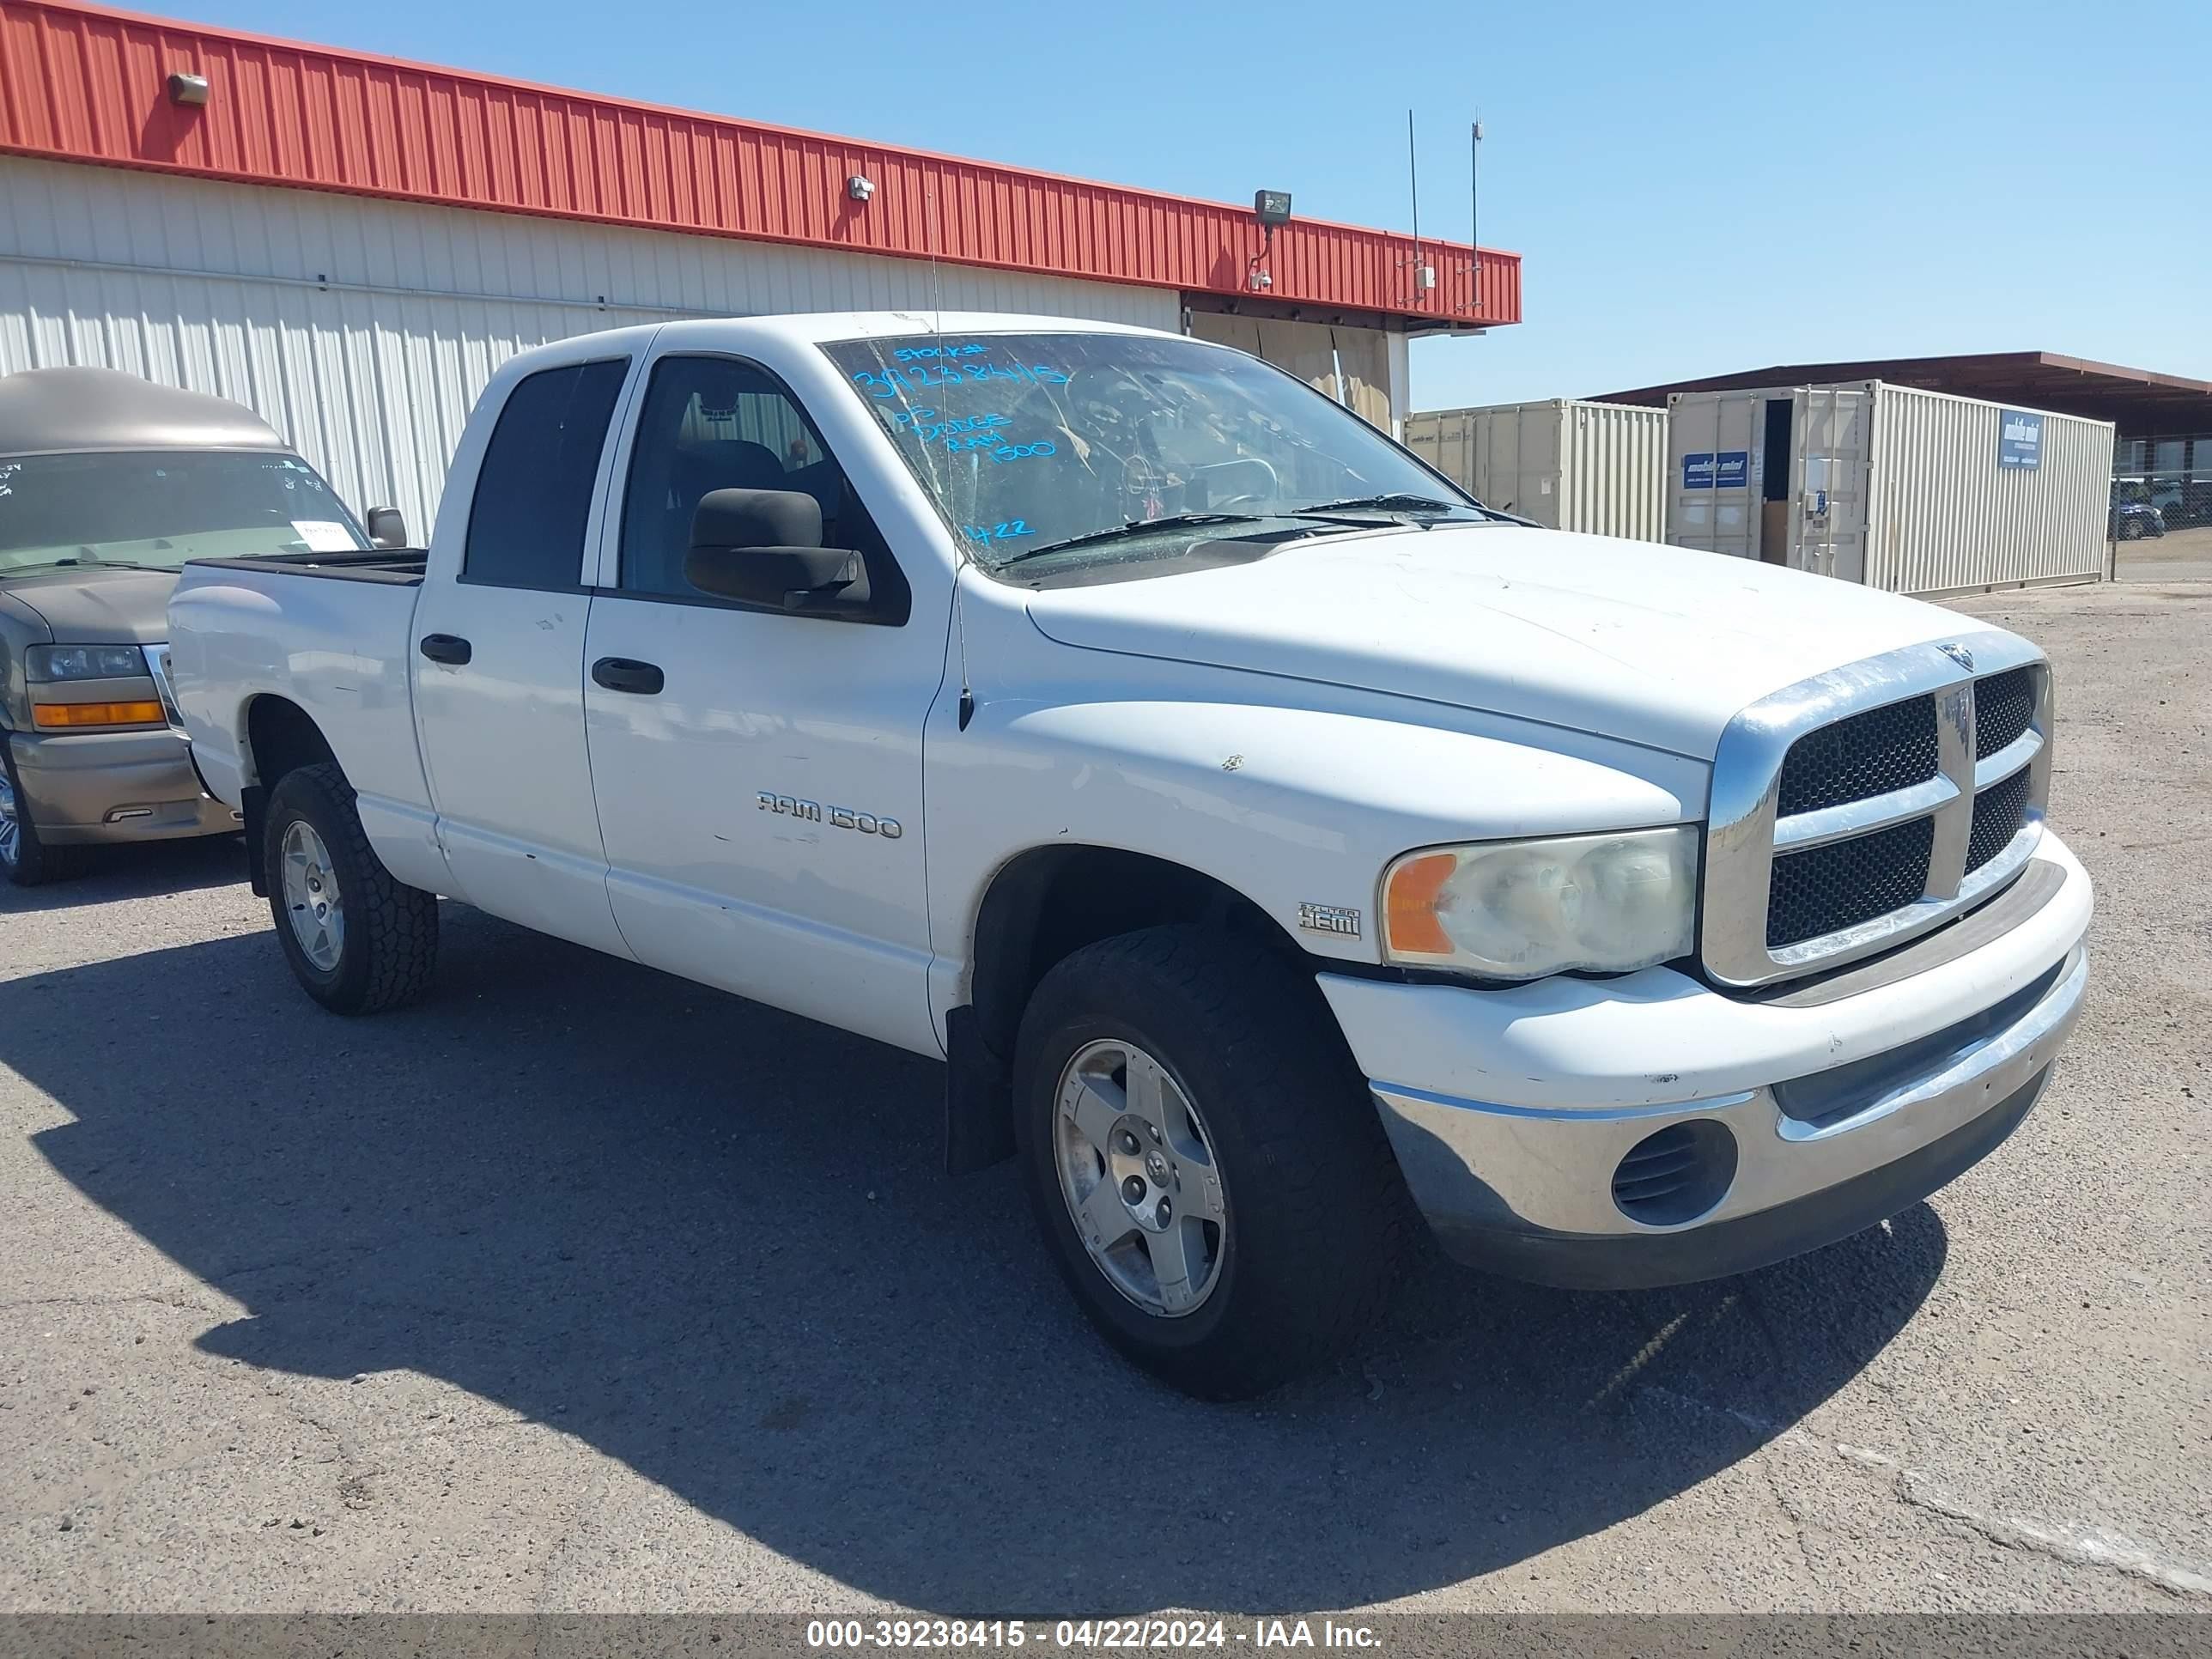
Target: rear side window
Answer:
[[534, 492]]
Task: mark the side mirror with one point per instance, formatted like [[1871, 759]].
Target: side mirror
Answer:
[[387, 527], [764, 547]]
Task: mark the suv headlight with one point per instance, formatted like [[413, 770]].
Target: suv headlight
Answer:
[[45, 664], [1521, 909]]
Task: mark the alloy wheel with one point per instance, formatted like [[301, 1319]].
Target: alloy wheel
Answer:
[[311, 902], [1140, 1178]]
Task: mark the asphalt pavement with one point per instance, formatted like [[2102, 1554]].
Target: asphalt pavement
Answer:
[[579, 1287]]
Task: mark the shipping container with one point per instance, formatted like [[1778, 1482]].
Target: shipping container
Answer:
[[1916, 492], [1600, 468]]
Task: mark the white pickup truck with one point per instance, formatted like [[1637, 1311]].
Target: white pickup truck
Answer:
[[1273, 842]]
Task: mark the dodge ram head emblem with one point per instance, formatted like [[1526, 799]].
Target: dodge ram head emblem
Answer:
[[1959, 654]]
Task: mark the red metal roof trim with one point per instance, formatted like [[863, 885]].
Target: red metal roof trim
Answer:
[[82, 83]]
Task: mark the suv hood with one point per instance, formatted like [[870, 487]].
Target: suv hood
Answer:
[[1635, 641], [84, 606]]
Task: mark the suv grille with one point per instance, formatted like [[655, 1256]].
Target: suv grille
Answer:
[[1999, 811], [1845, 883], [2003, 705], [1866, 755]]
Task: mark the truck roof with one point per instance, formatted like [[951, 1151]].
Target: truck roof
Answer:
[[807, 328], [48, 411]]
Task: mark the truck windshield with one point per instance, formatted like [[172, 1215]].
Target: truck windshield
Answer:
[[153, 509], [1084, 446]]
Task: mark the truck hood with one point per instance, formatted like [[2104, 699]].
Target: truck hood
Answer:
[[82, 605], [1634, 641]]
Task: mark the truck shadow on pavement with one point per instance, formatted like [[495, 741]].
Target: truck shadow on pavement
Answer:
[[714, 1243]]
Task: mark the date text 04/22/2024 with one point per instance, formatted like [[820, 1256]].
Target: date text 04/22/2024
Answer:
[[1150, 1633]]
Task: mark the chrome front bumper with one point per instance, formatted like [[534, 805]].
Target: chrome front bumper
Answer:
[[1531, 1191]]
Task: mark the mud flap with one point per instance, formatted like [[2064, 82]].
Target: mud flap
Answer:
[[979, 1117]]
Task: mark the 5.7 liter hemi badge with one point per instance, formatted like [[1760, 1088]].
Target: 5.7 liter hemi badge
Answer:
[[1329, 919], [839, 818]]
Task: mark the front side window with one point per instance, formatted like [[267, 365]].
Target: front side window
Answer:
[[533, 494], [714, 423], [153, 509], [1070, 448]]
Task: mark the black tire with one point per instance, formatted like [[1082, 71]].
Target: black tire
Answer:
[[1316, 1213], [26, 858], [390, 946]]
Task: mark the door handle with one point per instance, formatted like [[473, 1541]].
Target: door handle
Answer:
[[447, 647], [627, 674]]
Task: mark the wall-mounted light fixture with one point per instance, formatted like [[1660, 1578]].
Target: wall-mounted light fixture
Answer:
[[185, 88], [860, 187], [1271, 208]]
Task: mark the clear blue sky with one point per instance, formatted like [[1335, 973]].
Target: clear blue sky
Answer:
[[1692, 189]]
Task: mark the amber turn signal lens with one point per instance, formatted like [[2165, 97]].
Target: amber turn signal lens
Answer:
[[52, 716], [1409, 908]]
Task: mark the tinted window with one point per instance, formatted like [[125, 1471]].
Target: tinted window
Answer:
[[714, 423], [526, 524], [157, 508]]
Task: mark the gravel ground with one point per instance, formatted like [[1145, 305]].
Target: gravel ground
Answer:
[[581, 1288]]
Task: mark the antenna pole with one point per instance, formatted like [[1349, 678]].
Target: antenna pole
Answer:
[[1413, 179], [1474, 209]]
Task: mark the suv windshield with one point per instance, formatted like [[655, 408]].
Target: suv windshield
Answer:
[[1084, 446], [157, 508]]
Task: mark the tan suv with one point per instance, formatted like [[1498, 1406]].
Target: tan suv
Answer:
[[107, 485]]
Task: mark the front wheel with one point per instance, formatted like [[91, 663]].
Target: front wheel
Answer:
[[358, 940], [1205, 1159]]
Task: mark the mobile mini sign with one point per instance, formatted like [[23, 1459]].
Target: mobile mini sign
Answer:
[[1730, 468], [2020, 439]]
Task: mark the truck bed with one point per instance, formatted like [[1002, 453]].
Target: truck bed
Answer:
[[339, 649]]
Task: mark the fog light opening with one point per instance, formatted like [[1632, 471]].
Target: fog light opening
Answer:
[[1676, 1174]]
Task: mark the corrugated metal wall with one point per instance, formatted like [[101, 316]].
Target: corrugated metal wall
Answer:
[[363, 330], [1947, 518], [90, 85], [1599, 468]]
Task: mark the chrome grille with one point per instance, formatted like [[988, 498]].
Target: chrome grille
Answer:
[[1857, 809], [157, 664], [2004, 707], [1845, 883], [2000, 813], [1865, 755]]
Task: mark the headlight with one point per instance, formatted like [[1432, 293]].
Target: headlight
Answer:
[[47, 663], [1520, 909]]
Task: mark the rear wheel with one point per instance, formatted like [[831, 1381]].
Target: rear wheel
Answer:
[[1205, 1159], [359, 941], [26, 858]]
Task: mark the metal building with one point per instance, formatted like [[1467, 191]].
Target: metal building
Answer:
[[349, 245]]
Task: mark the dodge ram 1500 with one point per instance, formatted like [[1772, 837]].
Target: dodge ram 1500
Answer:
[[1276, 844]]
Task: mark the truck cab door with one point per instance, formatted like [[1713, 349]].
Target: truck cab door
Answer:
[[758, 772], [498, 661]]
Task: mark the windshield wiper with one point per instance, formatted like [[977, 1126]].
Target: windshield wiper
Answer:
[[1138, 527], [1394, 502], [74, 564]]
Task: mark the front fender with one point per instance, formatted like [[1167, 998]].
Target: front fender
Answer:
[[1289, 806]]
